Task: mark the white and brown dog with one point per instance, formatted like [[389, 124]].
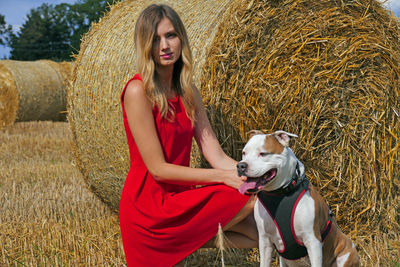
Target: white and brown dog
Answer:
[[289, 212]]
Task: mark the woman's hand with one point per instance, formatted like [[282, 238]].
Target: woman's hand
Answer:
[[233, 180]]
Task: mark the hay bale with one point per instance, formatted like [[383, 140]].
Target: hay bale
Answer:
[[329, 72], [64, 69], [326, 70], [8, 97], [33, 90]]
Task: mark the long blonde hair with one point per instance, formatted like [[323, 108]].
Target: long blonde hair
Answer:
[[145, 30]]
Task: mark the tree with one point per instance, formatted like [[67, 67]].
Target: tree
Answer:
[[45, 35], [55, 32], [5, 31], [82, 15]]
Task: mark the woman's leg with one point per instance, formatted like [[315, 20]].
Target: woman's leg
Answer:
[[244, 234], [243, 213], [241, 231]]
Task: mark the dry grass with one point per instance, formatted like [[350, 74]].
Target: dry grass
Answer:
[[49, 217]]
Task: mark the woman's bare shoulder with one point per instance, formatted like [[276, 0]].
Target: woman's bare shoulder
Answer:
[[135, 90], [197, 99]]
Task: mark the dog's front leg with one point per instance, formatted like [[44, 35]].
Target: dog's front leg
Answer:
[[265, 225], [265, 249], [282, 262], [314, 249]]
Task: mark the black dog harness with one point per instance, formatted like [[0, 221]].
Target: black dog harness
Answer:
[[281, 205]]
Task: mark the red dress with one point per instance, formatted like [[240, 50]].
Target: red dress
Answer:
[[163, 223]]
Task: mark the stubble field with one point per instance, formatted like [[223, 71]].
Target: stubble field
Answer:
[[49, 217]]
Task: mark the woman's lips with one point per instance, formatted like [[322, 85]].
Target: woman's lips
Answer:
[[166, 56]]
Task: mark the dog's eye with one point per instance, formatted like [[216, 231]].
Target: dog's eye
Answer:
[[243, 153], [263, 154]]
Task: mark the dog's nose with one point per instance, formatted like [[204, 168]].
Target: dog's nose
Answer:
[[241, 168]]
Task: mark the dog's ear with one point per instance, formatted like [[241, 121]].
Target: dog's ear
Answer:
[[284, 137], [251, 133]]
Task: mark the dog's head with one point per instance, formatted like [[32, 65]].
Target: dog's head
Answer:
[[267, 162]]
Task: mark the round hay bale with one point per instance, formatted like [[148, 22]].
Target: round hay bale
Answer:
[[326, 70], [8, 97], [33, 90], [64, 69]]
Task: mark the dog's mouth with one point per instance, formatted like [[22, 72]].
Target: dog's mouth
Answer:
[[254, 184]]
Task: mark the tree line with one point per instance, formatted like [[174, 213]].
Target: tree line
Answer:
[[52, 31]]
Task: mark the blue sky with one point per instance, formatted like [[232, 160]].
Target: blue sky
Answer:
[[15, 12], [393, 5]]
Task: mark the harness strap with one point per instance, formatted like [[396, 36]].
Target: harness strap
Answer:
[[327, 229], [281, 208]]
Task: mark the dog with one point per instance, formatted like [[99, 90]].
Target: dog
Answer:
[[289, 212]]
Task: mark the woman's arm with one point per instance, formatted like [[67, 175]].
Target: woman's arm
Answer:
[[141, 122], [207, 141]]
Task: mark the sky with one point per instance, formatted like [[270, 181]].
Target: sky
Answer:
[[15, 12]]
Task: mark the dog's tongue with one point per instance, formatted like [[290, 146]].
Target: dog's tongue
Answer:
[[246, 186]]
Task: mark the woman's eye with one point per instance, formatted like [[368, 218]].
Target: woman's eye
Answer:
[[171, 35]]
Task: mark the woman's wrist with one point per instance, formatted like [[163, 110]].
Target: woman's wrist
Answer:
[[225, 176]]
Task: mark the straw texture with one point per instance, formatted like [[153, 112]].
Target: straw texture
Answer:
[[329, 72], [33, 90], [64, 69], [8, 97], [325, 70]]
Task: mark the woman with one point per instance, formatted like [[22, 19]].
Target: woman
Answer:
[[164, 216]]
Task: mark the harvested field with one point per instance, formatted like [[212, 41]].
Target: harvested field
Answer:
[[50, 218]]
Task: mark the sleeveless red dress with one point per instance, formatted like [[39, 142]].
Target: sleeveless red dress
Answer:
[[162, 223]]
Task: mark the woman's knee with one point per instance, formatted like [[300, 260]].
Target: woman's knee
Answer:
[[249, 206], [246, 227], [247, 210]]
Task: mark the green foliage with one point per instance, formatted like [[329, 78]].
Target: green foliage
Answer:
[[5, 30], [55, 32], [82, 15], [44, 35]]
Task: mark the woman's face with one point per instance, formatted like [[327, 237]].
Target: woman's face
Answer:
[[166, 44]]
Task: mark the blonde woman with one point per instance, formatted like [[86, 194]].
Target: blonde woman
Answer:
[[164, 214]]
